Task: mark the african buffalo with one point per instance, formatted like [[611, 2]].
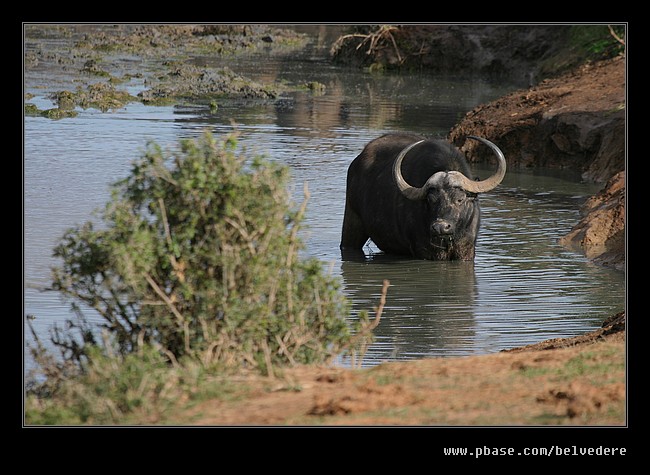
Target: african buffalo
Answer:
[[412, 196]]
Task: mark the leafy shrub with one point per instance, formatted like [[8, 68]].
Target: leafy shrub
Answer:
[[105, 388], [599, 41], [197, 255]]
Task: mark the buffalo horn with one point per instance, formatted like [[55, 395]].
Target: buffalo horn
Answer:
[[491, 182], [411, 192], [454, 178]]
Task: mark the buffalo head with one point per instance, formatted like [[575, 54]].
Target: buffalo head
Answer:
[[452, 205]]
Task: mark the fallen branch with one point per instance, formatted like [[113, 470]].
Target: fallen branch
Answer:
[[616, 37], [374, 38], [382, 302]]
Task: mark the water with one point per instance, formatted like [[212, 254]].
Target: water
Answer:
[[522, 288]]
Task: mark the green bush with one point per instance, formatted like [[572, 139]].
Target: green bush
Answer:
[[197, 255], [598, 41], [105, 388]]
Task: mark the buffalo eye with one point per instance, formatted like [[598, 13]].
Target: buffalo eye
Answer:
[[460, 196]]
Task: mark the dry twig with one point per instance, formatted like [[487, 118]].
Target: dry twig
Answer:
[[384, 31], [361, 338], [616, 37]]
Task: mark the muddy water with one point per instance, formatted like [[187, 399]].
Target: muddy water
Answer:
[[522, 287]]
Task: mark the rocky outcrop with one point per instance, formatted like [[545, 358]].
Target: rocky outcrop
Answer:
[[600, 234]]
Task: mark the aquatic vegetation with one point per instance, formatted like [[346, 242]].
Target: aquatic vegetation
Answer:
[[188, 82], [55, 113], [317, 88], [106, 57], [102, 96]]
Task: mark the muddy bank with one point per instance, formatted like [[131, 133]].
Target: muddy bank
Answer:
[[600, 234], [575, 121]]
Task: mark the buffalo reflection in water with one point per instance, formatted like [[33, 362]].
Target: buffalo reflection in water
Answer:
[[429, 307]]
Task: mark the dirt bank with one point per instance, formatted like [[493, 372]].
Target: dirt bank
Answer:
[[575, 121], [600, 234]]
